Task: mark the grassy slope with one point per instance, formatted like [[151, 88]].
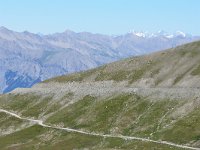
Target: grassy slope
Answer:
[[36, 137], [9, 124], [125, 114], [131, 115], [174, 64]]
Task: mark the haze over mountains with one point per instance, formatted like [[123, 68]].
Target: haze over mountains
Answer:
[[27, 58]]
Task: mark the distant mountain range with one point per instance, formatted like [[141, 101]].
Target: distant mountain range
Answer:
[[27, 58]]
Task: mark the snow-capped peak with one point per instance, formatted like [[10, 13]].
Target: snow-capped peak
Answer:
[[170, 36], [180, 33], [139, 34], [160, 33]]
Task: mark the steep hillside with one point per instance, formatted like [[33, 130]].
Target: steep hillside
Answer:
[[177, 67], [28, 58], [146, 102]]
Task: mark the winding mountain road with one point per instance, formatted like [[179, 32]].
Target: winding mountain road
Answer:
[[40, 122]]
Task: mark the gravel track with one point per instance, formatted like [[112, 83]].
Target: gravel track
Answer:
[[40, 122]]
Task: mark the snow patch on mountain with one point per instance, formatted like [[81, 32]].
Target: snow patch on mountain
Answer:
[[160, 33]]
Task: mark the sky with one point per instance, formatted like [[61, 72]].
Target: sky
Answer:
[[111, 17]]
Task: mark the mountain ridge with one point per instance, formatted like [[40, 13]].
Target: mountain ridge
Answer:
[[47, 56], [156, 66]]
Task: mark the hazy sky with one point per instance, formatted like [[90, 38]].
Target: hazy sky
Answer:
[[101, 16]]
